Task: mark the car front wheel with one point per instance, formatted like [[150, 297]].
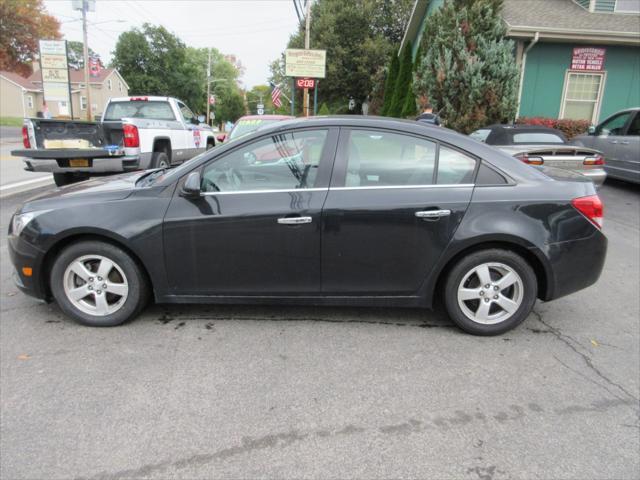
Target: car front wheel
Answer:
[[98, 284], [490, 291]]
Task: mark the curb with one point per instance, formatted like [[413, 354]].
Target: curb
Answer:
[[25, 186]]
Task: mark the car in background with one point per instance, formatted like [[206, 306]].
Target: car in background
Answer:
[[618, 138], [250, 123], [356, 211], [537, 145]]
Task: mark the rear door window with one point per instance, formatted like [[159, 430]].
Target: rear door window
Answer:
[[454, 167]]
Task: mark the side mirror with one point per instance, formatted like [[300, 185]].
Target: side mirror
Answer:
[[591, 130], [201, 118], [194, 121], [191, 187]]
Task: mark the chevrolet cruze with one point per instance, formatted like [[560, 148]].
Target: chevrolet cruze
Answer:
[[320, 211]]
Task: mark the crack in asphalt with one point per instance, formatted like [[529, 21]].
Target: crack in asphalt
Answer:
[[448, 421], [571, 343]]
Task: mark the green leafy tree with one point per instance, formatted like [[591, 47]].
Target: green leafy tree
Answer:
[[390, 83], [324, 110], [75, 54], [402, 84], [359, 36], [467, 69]]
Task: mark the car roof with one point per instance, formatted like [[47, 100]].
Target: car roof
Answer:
[[523, 128], [266, 117]]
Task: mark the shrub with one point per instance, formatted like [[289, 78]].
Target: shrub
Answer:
[[324, 110], [570, 128]]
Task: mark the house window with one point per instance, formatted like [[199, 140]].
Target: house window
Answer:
[[628, 6], [119, 85], [582, 96], [109, 85], [83, 103], [29, 101]]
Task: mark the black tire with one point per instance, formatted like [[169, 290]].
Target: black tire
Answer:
[[160, 160], [465, 265], [138, 288], [210, 145], [62, 179]]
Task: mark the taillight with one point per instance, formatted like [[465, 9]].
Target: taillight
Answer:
[[591, 207], [595, 160], [131, 137], [25, 137], [523, 157]]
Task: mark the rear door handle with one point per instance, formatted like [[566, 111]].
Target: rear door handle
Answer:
[[624, 143], [294, 220], [613, 141], [433, 213]]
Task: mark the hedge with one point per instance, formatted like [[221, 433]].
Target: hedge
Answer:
[[570, 128]]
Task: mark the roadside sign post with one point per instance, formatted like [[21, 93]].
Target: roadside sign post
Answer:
[[307, 66], [55, 73], [315, 99], [260, 109]]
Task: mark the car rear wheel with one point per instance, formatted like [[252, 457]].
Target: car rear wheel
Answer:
[[98, 284], [490, 292], [62, 179]]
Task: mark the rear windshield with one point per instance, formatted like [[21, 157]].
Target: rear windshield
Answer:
[[139, 109], [244, 127], [537, 137]]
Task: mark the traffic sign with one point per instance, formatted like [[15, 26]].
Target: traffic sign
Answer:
[[212, 99], [261, 111], [305, 82]]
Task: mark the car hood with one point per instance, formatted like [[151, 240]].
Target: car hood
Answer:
[[98, 189], [557, 149]]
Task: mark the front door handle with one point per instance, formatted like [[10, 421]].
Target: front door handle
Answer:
[[624, 143], [433, 213], [294, 220], [613, 141]]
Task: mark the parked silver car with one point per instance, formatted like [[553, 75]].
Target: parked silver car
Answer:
[[543, 146], [618, 138]]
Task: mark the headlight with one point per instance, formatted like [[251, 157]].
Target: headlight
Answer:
[[18, 222]]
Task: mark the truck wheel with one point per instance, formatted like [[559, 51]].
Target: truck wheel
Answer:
[[159, 160], [62, 179]]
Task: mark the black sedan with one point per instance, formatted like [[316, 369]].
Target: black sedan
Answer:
[[325, 211]]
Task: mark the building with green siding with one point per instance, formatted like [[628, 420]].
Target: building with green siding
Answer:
[[578, 59]]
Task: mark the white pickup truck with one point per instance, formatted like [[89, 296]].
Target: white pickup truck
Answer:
[[135, 133]]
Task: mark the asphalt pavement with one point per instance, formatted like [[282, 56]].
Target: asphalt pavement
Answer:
[[13, 177], [284, 392]]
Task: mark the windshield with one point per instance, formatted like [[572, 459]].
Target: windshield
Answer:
[[139, 109], [244, 127]]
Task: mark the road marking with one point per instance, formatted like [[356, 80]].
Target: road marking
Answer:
[[10, 186]]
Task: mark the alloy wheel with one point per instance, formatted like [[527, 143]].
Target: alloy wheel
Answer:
[[490, 293], [96, 285]]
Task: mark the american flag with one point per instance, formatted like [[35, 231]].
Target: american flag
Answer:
[[275, 96]]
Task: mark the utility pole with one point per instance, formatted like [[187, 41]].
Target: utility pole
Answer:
[[208, 85], [85, 7], [305, 97]]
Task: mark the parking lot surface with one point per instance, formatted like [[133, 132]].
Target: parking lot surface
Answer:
[[282, 392]]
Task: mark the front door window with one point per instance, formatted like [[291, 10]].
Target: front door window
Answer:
[[614, 125], [287, 161]]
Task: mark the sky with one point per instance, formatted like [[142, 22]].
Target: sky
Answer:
[[256, 31]]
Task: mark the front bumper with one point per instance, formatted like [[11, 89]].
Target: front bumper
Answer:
[[98, 165], [23, 254]]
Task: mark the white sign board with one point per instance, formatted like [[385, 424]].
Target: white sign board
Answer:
[[55, 71], [305, 63]]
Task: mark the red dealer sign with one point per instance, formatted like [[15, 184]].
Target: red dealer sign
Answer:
[[588, 58]]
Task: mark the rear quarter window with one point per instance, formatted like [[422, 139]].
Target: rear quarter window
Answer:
[[480, 135]]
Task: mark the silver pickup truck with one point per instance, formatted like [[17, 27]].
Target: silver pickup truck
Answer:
[[135, 133]]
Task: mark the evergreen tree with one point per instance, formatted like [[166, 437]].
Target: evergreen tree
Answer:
[[402, 84], [324, 110], [409, 108], [467, 69], [390, 83]]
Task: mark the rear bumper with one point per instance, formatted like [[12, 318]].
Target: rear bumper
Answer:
[[98, 165], [596, 175], [575, 264]]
